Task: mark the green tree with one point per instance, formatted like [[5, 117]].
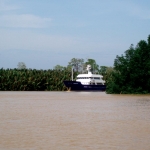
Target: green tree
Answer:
[[58, 67], [131, 71], [77, 64], [102, 70], [105, 71], [94, 65], [21, 65]]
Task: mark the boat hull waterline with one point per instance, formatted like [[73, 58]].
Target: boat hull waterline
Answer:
[[77, 86]]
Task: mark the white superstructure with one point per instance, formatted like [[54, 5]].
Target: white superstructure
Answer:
[[90, 79]]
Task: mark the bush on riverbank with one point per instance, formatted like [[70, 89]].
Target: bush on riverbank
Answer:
[[131, 72], [33, 80]]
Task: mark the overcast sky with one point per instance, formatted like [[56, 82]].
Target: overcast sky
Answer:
[[44, 33]]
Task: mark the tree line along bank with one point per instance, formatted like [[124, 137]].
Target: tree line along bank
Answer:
[[33, 80], [130, 73]]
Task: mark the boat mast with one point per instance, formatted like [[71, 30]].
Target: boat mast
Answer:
[[72, 73]]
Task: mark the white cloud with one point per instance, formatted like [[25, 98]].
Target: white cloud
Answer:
[[7, 7], [24, 21], [10, 18], [28, 40]]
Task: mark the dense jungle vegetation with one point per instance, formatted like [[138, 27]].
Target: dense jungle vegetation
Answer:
[[23, 79], [131, 72], [33, 80]]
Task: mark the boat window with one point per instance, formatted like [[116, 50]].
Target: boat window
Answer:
[[99, 83], [82, 77], [98, 78]]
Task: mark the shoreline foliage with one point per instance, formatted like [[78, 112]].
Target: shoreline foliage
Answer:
[[33, 80], [131, 73]]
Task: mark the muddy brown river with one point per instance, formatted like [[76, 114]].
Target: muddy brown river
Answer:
[[74, 121]]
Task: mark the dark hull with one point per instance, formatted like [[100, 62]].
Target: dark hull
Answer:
[[77, 86]]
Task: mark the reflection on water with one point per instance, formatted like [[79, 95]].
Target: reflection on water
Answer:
[[74, 121]]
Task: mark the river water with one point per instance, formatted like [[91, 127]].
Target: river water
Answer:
[[74, 121]]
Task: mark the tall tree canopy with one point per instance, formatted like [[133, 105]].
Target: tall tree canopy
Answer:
[[59, 67], [21, 65], [132, 70], [77, 64], [94, 65]]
